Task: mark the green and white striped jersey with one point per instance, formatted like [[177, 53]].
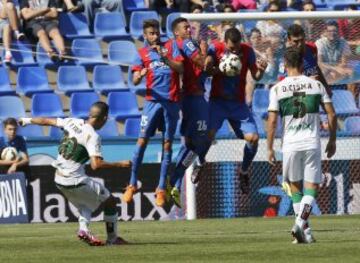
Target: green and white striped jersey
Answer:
[[298, 100], [79, 143]]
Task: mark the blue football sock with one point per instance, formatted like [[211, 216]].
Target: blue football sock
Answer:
[[202, 149], [249, 155], [136, 162], [165, 163], [184, 159]]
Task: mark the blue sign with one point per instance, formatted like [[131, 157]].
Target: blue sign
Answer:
[[13, 199]]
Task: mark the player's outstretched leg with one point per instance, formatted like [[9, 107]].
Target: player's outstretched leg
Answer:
[[161, 189], [184, 159], [201, 149], [250, 151], [111, 219], [136, 162], [84, 233]]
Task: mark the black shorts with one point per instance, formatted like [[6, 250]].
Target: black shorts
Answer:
[[41, 24]]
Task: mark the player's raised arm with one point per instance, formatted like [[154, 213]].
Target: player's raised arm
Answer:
[[173, 59], [257, 66], [97, 162], [41, 121]]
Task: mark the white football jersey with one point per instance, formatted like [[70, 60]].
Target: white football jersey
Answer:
[[80, 142], [298, 101]]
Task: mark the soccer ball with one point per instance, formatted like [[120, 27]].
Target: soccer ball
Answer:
[[230, 64], [9, 154]]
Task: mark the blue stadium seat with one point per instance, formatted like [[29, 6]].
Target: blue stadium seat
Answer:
[[123, 105], [21, 55], [134, 5], [136, 22], [55, 133], [32, 80], [110, 26], [11, 106], [132, 127], [341, 5], [87, 52], [31, 131], [352, 125], [170, 18], [80, 103], [110, 129], [46, 105], [260, 102], [73, 25], [122, 52], [72, 79], [344, 102], [224, 130], [139, 89], [108, 78], [5, 88]]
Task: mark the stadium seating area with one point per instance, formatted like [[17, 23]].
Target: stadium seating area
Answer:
[[98, 73]]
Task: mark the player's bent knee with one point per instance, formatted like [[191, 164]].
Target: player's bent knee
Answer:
[[110, 202], [252, 138]]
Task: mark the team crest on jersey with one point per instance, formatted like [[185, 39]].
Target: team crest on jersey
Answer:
[[191, 46]]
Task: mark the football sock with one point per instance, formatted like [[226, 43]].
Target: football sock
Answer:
[[111, 219], [136, 162], [249, 155], [165, 163], [296, 200], [305, 207], [84, 219], [184, 159]]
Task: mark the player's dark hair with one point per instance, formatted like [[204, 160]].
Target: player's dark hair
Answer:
[[308, 2], [176, 22], [254, 30], [274, 3], [103, 107], [332, 23], [196, 6], [10, 121], [151, 23], [295, 30], [233, 34], [294, 57]]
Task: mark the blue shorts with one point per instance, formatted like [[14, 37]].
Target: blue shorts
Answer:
[[238, 114], [195, 117], [162, 115]]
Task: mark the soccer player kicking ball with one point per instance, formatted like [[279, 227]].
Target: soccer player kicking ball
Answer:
[[80, 144], [161, 64], [227, 97], [195, 109], [298, 98]]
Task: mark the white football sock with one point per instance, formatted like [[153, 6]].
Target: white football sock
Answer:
[[305, 210], [84, 219], [111, 226]]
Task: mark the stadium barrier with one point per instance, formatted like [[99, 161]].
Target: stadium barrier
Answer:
[[13, 199]]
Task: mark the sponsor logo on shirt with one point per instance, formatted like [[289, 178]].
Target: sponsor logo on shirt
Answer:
[[191, 46]]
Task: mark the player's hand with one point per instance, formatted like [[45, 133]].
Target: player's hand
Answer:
[[261, 64], [203, 47], [124, 164], [12, 168], [24, 121], [143, 72], [330, 149], [271, 157]]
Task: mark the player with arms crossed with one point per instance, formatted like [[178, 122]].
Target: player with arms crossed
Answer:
[[161, 64], [195, 110], [227, 97], [297, 99], [80, 144]]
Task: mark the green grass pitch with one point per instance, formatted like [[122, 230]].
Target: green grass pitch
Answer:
[[214, 240]]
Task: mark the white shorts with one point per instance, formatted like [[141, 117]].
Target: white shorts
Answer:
[[88, 194], [302, 165]]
